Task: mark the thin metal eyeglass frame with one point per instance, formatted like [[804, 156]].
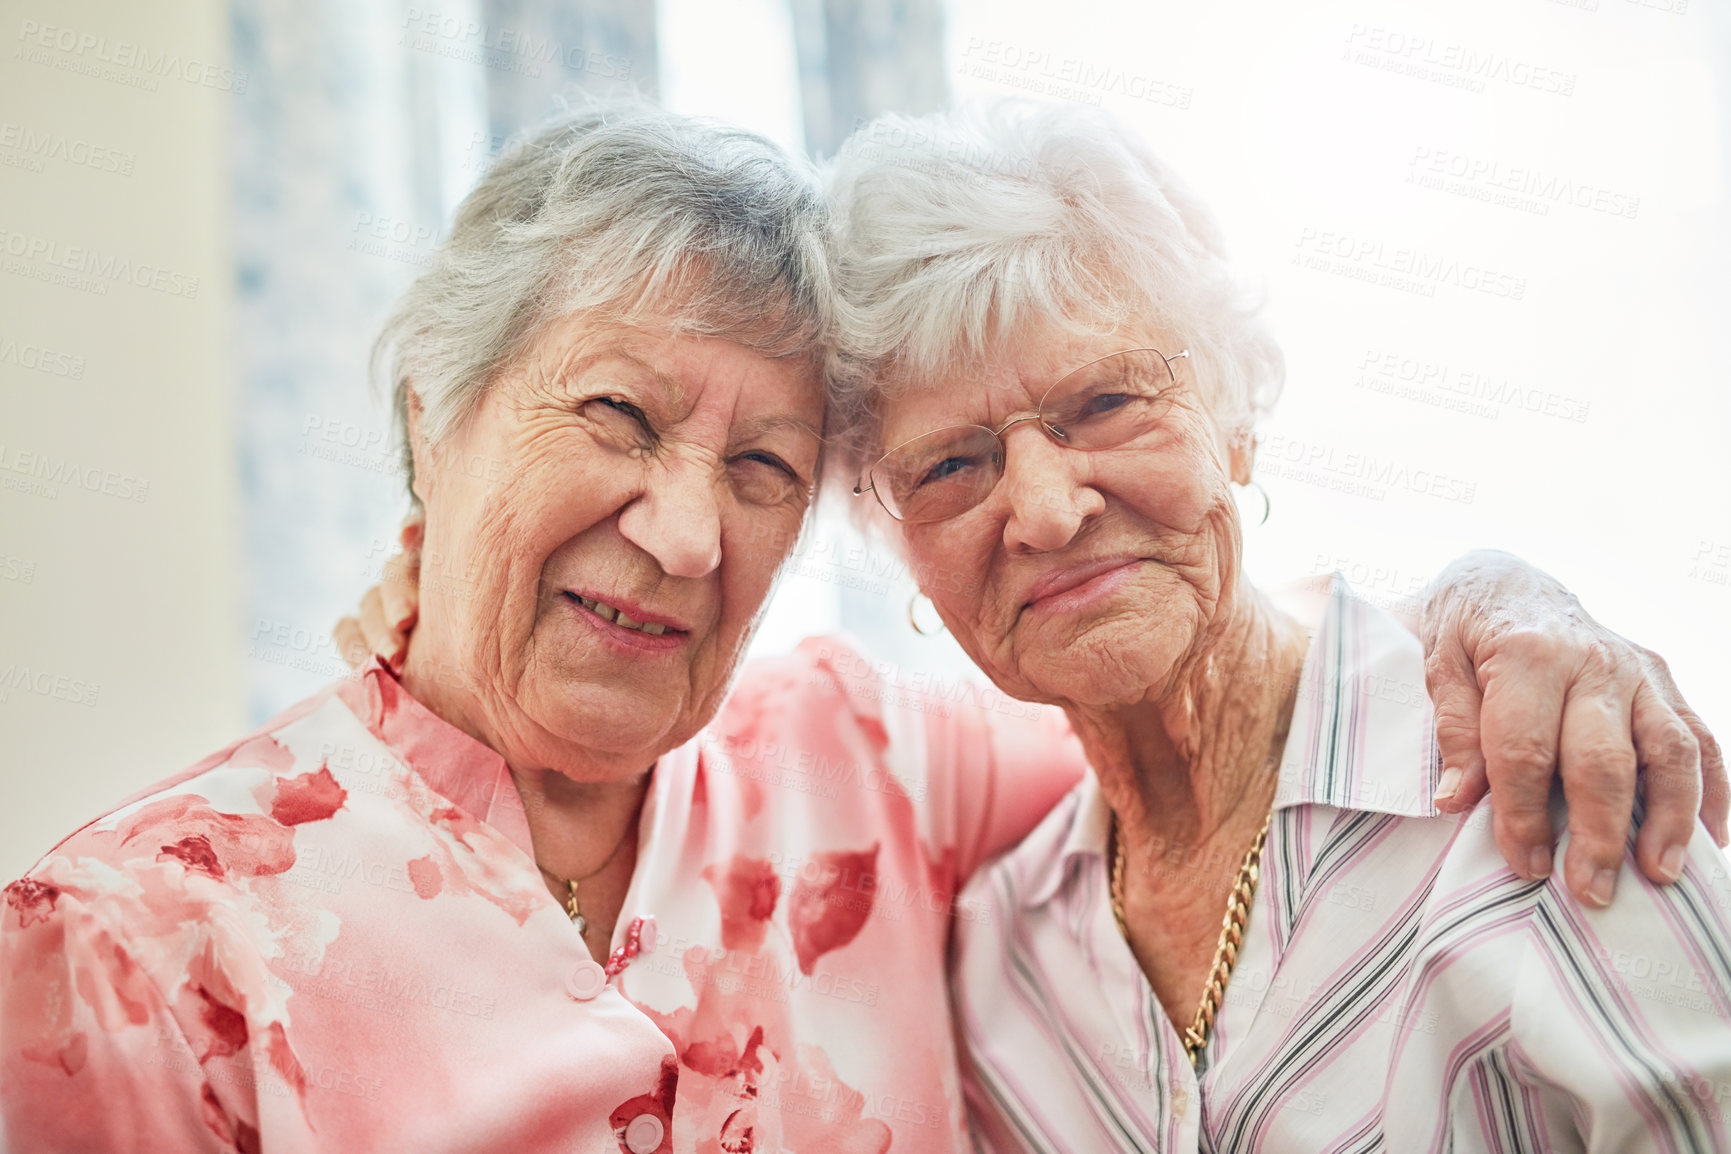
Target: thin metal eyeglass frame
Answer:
[[1004, 449]]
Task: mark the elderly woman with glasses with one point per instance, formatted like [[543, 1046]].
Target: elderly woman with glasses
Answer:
[[534, 886], [1249, 927]]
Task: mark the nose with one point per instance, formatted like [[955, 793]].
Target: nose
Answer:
[[1047, 494], [676, 519]]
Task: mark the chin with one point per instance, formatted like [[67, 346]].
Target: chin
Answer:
[[621, 718], [1113, 663]]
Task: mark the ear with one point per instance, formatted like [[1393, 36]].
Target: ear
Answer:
[[421, 458], [1242, 458]]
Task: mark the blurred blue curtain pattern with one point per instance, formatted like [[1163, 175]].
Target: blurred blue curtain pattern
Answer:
[[858, 58], [364, 126], [365, 123]]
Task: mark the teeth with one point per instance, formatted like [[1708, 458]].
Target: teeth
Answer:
[[608, 613]]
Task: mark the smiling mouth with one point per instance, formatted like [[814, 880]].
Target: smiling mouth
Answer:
[[1055, 588], [608, 613]]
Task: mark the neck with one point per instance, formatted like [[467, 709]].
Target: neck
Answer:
[[1195, 767], [579, 807], [578, 826]]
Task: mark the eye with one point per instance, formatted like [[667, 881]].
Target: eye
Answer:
[[773, 461], [619, 419], [945, 469], [621, 405], [1102, 404], [762, 478]]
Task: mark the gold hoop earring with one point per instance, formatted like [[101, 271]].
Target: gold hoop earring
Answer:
[[914, 620], [1267, 505]]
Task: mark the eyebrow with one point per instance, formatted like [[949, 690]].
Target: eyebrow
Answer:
[[672, 384], [583, 364], [760, 425]]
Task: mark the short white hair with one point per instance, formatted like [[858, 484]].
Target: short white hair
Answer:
[[620, 211], [953, 232]]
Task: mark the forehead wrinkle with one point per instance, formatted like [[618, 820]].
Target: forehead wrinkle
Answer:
[[760, 425], [978, 399], [579, 360]]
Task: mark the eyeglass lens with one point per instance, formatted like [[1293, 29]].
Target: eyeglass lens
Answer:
[[1101, 405]]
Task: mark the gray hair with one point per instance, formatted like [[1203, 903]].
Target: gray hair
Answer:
[[954, 231], [620, 211]]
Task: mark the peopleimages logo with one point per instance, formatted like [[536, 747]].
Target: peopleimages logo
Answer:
[[1357, 473], [27, 355], [17, 678], [1521, 187], [37, 145], [154, 63], [1463, 389], [84, 261], [1066, 77], [1400, 267], [497, 46], [1454, 65], [42, 474]]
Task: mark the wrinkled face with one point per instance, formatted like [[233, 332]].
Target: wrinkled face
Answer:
[[1084, 578], [602, 533]]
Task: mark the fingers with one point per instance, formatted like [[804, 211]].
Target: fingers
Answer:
[[1598, 763], [351, 642], [413, 530], [381, 637], [1715, 789], [400, 589], [1455, 694], [1671, 760], [1520, 725]]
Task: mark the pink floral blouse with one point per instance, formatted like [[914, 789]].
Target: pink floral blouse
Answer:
[[332, 936]]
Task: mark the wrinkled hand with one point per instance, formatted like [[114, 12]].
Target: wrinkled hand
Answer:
[[1524, 680], [388, 609]]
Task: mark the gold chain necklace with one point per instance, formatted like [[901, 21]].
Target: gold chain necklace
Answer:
[[573, 908], [1231, 931]]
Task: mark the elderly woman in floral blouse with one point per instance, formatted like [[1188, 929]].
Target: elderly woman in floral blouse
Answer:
[[544, 884]]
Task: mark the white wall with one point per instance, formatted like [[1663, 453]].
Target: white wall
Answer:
[[119, 627], [1574, 408]]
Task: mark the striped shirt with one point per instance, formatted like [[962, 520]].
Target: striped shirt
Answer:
[[1400, 988]]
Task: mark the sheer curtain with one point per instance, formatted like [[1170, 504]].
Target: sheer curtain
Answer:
[[365, 125]]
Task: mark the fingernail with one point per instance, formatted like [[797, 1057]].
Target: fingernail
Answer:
[[1448, 786], [1539, 863], [1604, 885], [1671, 865]]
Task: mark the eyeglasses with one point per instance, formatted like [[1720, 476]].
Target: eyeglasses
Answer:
[[1102, 405]]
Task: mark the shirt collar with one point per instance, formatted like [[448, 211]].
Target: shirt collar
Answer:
[[1363, 733], [462, 770]]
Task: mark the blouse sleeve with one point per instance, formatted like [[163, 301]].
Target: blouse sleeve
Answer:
[[979, 768], [1004, 767], [91, 1056]]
